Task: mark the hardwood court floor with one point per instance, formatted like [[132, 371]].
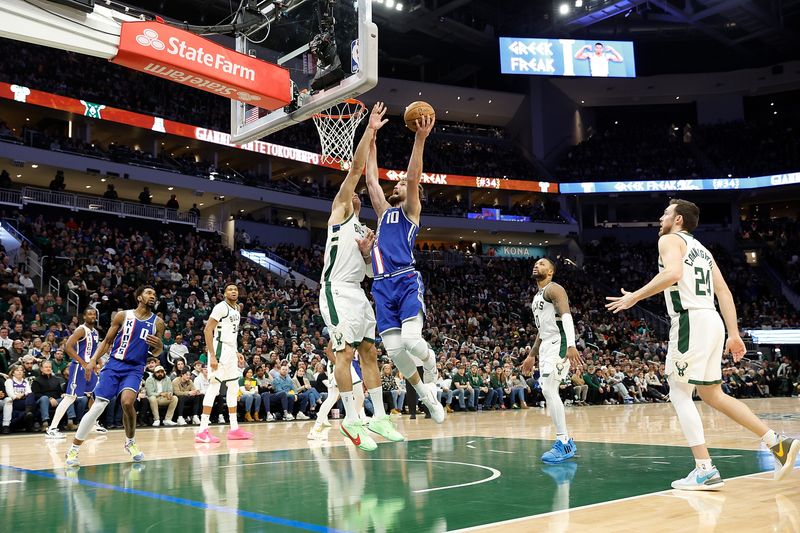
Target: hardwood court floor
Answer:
[[475, 471]]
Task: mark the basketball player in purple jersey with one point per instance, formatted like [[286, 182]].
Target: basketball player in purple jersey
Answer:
[[397, 287], [133, 335]]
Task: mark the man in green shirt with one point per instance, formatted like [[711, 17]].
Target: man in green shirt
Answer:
[[461, 388], [478, 387]]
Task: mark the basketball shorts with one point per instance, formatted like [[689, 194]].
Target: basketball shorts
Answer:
[[227, 364], [553, 362], [78, 384], [397, 299], [117, 376], [347, 313], [332, 377], [696, 342]]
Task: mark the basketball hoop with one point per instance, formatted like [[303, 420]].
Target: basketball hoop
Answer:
[[337, 126]]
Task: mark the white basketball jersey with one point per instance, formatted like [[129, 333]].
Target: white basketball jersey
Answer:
[[544, 314], [343, 261], [695, 289], [227, 330], [598, 64]]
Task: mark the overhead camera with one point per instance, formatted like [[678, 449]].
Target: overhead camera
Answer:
[[323, 48]]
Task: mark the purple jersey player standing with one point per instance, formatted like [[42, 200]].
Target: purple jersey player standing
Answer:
[[397, 287]]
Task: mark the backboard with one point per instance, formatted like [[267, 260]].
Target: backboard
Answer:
[[299, 38]]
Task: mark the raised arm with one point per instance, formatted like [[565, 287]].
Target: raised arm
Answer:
[[727, 309], [343, 202], [582, 52], [413, 204], [615, 56], [376, 195]]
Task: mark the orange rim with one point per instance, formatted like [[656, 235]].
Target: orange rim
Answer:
[[351, 101]]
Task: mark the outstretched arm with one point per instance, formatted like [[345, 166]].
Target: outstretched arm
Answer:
[[413, 205], [376, 195], [348, 186], [671, 249]]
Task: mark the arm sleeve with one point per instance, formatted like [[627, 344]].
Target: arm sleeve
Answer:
[[569, 328]]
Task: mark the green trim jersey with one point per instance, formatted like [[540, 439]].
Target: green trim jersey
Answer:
[[548, 321], [227, 330], [695, 289], [343, 261]]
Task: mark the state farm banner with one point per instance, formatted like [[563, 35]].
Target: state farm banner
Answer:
[[177, 55]]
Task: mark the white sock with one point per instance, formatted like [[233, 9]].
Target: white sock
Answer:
[[205, 420], [771, 438], [376, 395], [234, 422], [422, 391], [563, 437], [75, 447], [704, 464], [128, 441], [350, 409]]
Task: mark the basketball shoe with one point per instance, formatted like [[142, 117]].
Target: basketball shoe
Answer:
[[358, 435], [239, 434], [434, 407], [700, 479], [205, 437], [72, 458], [384, 427], [136, 454], [785, 453], [560, 452]]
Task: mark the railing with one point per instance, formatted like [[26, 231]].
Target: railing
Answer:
[[209, 223], [54, 286], [261, 259], [73, 299], [79, 202], [9, 197]]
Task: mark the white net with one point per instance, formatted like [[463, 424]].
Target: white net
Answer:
[[336, 127]]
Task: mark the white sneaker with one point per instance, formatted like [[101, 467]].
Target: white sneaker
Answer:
[[156, 423], [326, 423], [99, 429], [699, 479], [196, 420], [302, 416], [181, 421], [221, 419], [288, 417], [430, 375], [53, 433], [317, 433], [171, 423], [434, 407], [270, 417]]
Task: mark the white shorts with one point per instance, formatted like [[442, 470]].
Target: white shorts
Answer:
[[332, 375], [696, 342], [552, 364], [227, 367], [347, 313]]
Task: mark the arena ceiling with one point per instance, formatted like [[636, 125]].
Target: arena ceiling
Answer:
[[455, 41]]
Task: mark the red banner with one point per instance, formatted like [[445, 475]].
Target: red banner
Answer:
[[102, 112], [177, 55]]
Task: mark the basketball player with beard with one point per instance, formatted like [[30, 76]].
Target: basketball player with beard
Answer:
[[134, 335], [555, 348], [690, 278]]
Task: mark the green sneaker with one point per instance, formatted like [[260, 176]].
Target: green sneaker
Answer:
[[385, 428], [785, 453], [72, 458], [358, 435]]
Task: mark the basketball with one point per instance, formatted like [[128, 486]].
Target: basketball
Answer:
[[415, 110]]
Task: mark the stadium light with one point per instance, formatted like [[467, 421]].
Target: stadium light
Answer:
[[563, 9], [398, 6], [390, 4], [578, 3]]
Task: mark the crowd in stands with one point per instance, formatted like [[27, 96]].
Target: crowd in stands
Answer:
[[479, 324], [62, 73], [781, 239]]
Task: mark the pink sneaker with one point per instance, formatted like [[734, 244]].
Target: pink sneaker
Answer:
[[239, 434], [205, 437]]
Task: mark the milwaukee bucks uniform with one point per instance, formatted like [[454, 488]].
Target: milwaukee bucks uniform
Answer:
[[553, 346], [345, 308], [697, 333]]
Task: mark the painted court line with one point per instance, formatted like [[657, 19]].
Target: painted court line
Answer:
[[10, 481], [589, 506], [500, 451], [495, 473], [181, 501]]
